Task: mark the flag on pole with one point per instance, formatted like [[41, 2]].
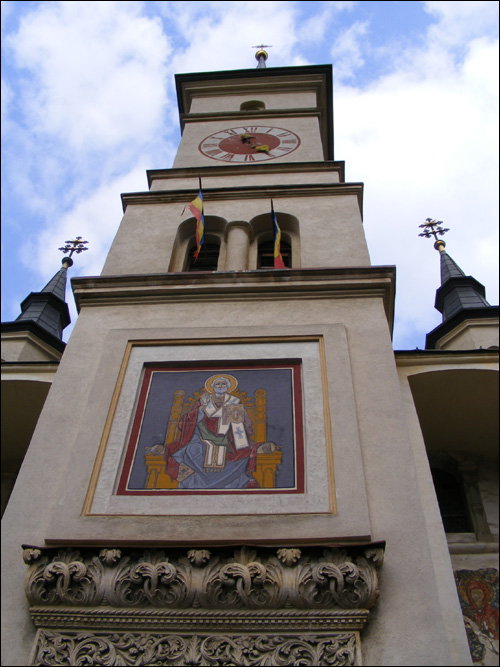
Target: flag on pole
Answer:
[[196, 208], [278, 259]]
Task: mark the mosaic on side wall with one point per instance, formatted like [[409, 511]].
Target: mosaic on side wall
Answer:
[[478, 593]]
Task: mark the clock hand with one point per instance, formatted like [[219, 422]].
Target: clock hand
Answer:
[[247, 138]]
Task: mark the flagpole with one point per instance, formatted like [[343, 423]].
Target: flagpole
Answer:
[[203, 212]]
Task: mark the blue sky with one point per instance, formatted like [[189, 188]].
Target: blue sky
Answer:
[[88, 104]]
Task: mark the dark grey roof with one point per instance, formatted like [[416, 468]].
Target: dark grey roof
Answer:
[[449, 268], [457, 291], [57, 285], [48, 308]]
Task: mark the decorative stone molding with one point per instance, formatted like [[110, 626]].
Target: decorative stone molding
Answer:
[[216, 606], [148, 649]]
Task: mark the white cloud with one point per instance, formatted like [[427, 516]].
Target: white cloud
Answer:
[[461, 21], [225, 32], [95, 217], [6, 11], [5, 101], [316, 27], [98, 67], [348, 51]]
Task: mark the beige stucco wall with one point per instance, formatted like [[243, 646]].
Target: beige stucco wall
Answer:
[[24, 346], [226, 102], [416, 590], [471, 335]]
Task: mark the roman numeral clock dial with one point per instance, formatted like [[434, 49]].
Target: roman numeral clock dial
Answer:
[[249, 143]]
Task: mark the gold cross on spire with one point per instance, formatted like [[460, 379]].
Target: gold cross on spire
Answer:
[[433, 228], [76, 245]]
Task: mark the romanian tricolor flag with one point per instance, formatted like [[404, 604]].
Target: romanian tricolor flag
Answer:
[[278, 259], [196, 208]]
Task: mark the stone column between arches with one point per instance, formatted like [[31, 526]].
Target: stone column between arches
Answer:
[[238, 237]]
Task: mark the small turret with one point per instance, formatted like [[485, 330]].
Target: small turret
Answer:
[[467, 316], [37, 332]]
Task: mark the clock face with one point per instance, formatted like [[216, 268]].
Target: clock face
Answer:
[[249, 143]]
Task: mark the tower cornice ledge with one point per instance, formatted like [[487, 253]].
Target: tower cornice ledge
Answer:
[[287, 284], [245, 169], [249, 115], [247, 192]]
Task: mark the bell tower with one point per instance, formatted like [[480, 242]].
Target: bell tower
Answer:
[[223, 455], [251, 136]]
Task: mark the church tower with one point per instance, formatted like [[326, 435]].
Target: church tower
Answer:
[[223, 470]]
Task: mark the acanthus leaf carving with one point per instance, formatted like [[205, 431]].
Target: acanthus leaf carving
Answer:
[[245, 573], [244, 578], [273, 650]]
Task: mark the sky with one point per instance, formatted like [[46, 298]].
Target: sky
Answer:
[[88, 105]]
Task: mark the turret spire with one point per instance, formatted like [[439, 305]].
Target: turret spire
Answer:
[[48, 309], [459, 296]]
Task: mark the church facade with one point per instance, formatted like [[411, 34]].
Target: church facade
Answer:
[[232, 465]]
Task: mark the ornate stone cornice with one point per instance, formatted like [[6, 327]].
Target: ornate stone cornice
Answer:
[[243, 578], [213, 606]]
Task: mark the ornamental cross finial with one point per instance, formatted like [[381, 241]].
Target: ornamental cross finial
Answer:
[[76, 245], [433, 228], [261, 55]]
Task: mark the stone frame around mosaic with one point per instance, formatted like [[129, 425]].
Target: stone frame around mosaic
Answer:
[[89, 512]]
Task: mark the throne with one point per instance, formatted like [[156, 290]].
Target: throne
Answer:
[[268, 454]]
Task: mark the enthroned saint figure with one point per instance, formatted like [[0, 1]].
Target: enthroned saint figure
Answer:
[[215, 449]]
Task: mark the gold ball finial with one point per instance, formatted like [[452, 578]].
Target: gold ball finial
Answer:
[[261, 56]]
